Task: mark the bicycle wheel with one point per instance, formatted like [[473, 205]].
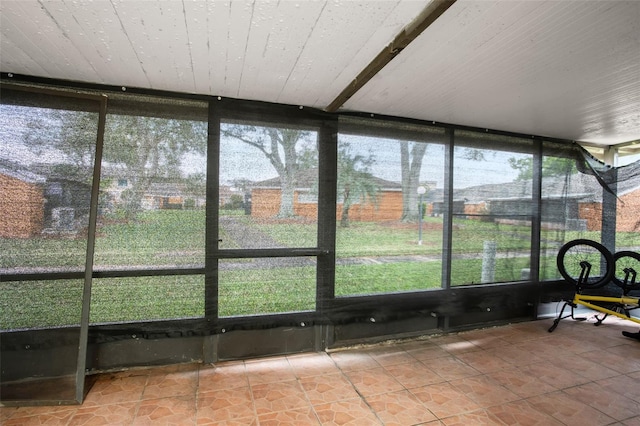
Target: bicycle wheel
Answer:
[[627, 270], [581, 257]]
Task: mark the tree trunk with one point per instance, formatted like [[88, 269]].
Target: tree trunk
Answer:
[[287, 196], [344, 218], [411, 167]]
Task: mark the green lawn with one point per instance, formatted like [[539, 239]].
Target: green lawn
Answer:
[[373, 259]]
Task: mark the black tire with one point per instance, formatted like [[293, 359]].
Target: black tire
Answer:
[[598, 257], [626, 260]]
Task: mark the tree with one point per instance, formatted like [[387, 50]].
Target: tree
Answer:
[[67, 136], [196, 186], [138, 148], [355, 181], [411, 164], [551, 166], [147, 148], [286, 150]]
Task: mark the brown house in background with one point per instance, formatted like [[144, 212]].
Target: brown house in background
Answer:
[[35, 200], [572, 203], [266, 196], [574, 200], [21, 204]]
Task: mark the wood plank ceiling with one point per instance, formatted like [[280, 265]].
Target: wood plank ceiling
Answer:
[[565, 69]]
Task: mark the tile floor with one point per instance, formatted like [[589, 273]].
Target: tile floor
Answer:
[[517, 374]]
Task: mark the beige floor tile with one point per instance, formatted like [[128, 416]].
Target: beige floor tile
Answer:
[[485, 391], [455, 344], [484, 361], [179, 383], [569, 411], [112, 414], [373, 381], [40, 416], [388, 356], [117, 390], [522, 384], [270, 370], [486, 338], [414, 374], [476, 418], [521, 413], [328, 388], [168, 411], [584, 367], [223, 376], [350, 412], [229, 404], [444, 400], [451, 368], [557, 377], [315, 364], [299, 417], [626, 385], [351, 360], [634, 421], [278, 396], [400, 408], [515, 355], [612, 404], [6, 412], [620, 362], [427, 352]]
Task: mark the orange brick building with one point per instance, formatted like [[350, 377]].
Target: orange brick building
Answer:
[[266, 196], [21, 204]]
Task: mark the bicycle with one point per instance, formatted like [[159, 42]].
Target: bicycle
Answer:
[[589, 265]]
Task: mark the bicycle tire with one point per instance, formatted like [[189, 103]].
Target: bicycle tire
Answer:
[[622, 260], [572, 254]]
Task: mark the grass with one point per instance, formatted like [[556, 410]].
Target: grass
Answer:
[[267, 291], [174, 237], [387, 278], [390, 261]]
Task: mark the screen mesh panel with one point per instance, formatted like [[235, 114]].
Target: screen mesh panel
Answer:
[[404, 221], [46, 167], [47, 156], [628, 208], [492, 209], [583, 198], [266, 286], [268, 187], [40, 304], [130, 299], [153, 186], [389, 210]]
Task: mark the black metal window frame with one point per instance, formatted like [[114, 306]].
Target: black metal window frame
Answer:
[[329, 309]]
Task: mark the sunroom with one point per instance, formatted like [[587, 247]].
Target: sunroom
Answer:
[[192, 181]]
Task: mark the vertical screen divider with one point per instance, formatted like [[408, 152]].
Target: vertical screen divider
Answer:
[[91, 239]]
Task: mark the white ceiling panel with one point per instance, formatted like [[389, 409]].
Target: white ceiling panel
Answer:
[[566, 69], [31, 29], [345, 38], [276, 37], [555, 68]]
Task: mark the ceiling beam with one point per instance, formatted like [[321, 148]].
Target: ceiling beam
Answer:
[[409, 33]]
